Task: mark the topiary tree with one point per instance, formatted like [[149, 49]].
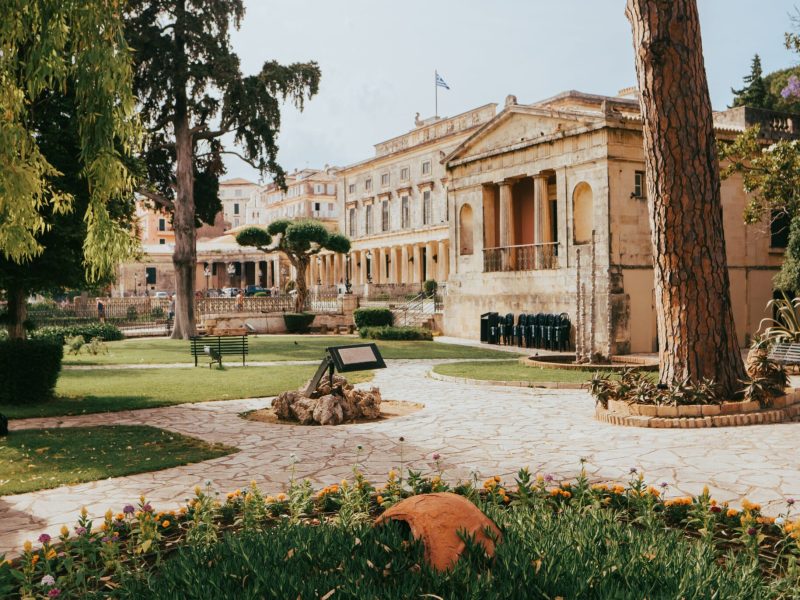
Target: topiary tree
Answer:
[[299, 241]]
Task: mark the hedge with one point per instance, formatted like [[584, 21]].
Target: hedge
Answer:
[[395, 333], [105, 331], [29, 370], [298, 322], [372, 317]]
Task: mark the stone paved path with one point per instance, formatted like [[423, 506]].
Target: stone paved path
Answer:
[[492, 430]]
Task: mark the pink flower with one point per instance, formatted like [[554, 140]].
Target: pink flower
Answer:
[[44, 539], [54, 593]]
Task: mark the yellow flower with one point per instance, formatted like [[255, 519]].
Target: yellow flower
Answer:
[[253, 483], [182, 510], [705, 490], [269, 499], [653, 491], [165, 523], [497, 478], [751, 506], [51, 554], [120, 517], [197, 490], [27, 546], [141, 499], [64, 530], [281, 497], [600, 487], [84, 511], [104, 526], [379, 499], [732, 512], [34, 559], [109, 514]]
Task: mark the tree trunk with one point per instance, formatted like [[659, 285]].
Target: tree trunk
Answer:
[[184, 258], [300, 284], [17, 312], [696, 333]]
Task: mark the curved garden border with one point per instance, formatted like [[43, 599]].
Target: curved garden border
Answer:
[[556, 385], [563, 361], [727, 414]]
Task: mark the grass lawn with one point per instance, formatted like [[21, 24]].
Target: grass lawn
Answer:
[[511, 370], [271, 347], [37, 459], [108, 390]]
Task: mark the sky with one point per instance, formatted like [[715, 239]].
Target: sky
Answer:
[[378, 59]]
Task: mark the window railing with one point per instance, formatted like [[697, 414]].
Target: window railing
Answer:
[[531, 257]]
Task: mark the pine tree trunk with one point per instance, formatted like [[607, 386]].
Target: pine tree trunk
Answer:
[[300, 284], [696, 333], [17, 312], [184, 258]]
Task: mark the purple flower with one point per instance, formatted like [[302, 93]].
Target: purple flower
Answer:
[[548, 478], [790, 501], [48, 580], [80, 530], [105, 539], [147, 508], [633, 471], [44, 539], [751, 531], [716, 509], [664, 484], [436, 456], [129, 509], [792, 87], [54, 593]]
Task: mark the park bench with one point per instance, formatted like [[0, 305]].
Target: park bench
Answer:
[[217, 346], [785, 353]]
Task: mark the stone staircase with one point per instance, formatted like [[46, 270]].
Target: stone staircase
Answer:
[[417, 312]]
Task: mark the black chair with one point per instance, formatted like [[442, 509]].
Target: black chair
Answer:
[[519, 328], [562, 332], [549, 331], [528, 333], [494, 328], [507, 329], [536, 330]]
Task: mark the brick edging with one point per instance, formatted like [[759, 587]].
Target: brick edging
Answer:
[[541, 362], [556, 385], [789, 411]]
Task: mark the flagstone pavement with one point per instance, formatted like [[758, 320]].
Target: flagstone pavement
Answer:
[[488, 430]]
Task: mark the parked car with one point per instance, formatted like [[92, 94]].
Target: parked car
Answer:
[[229, 292], [162, 295], [252, 290], [212, 293]]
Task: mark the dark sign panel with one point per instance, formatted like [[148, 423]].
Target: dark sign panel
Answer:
[[361, 357]]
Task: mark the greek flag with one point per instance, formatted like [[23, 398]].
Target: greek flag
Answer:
[[440, 82]]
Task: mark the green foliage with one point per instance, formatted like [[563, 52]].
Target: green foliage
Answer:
[[103, 331], [388, 332], [298, 322], [55, 45], [28, 370], [430, 287], [254, 236], [788, 279], [372, 317], [74, 344], [786, 326], [638, 387], [260, 295], [755, 92]]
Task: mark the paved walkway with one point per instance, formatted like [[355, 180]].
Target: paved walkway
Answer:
[[492, 430]]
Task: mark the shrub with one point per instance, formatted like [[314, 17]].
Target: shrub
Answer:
[[429, 287], [298, 322], [260, 295], [75, 343], [157, 312], [106, 332], [388, 332], [131, 314], [29, 370], [372, 317]]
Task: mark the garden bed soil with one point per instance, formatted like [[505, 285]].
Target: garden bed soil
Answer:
[[390, 409]]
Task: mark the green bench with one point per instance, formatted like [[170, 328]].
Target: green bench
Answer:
[[217, 346]]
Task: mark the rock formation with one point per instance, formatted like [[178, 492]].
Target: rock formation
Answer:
[[329, 404]]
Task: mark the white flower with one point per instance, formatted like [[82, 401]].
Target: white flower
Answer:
[[779, 521], [48, 581]]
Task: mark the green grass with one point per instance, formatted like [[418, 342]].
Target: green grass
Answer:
[[37, 459], [511, 370], [108, 390], [271, 348]]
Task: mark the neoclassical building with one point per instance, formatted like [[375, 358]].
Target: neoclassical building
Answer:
[[394, 207], [541, 184]]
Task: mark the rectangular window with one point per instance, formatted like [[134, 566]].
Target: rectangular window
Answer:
[[405, 214], [316, 206], [236, 208], [427, 214], [385, 215], [330, 206], [385, 179], [352, 224], [162, 241], [150, 275], [331, 189], [368, 219], [162, 224], [404, 174], [214, 270], [639, 185], [368, 184], [236, 222], [426, 167], [319, 188], [351, 189], [779, 229]]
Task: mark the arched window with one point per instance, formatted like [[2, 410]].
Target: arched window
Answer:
[[465, 227], [582, 213]]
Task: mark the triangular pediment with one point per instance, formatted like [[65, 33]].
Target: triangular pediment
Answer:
[[515, 125]]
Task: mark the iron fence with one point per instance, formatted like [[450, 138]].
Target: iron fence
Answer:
[[530, 257]]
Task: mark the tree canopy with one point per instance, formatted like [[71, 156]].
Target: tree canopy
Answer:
[[77, 47], [755, 92]]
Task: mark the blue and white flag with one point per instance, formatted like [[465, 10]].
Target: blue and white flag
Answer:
[[440, 82]]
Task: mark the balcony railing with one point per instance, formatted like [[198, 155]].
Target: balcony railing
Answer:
[[531, 257]]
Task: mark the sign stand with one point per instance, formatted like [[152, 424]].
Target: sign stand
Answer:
[[359, 357]]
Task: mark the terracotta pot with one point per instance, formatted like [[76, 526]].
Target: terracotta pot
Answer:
[[437, 519]]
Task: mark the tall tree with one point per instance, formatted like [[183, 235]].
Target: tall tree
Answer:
[[192, 94], [696, 333], [80, 47], [299, 241], [755, 92], [60, 264]]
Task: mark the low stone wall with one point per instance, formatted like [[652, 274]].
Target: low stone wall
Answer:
[[727, 414], [272, 322], [563, 361]]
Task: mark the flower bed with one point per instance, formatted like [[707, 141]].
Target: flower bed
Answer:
[[252, 545]]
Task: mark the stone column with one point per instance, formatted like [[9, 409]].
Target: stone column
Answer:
[[541, 231], [276, 272], [430, 266], [506, 215], [417, 269], [313, 269], [403, 266], [363, 274], [443, 261], [377, 267]]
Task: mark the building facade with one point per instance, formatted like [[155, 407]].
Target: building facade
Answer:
[[394, 207], [550, 214], [239, 199]]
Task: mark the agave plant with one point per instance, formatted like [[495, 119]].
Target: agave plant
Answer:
[[785, 327]]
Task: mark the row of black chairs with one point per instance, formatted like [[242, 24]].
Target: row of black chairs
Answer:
[[540, 330]]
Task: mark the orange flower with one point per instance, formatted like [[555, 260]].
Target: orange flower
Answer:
[[732, 512], [34, 559], [165, 524], [51, 554], [379, 499]]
